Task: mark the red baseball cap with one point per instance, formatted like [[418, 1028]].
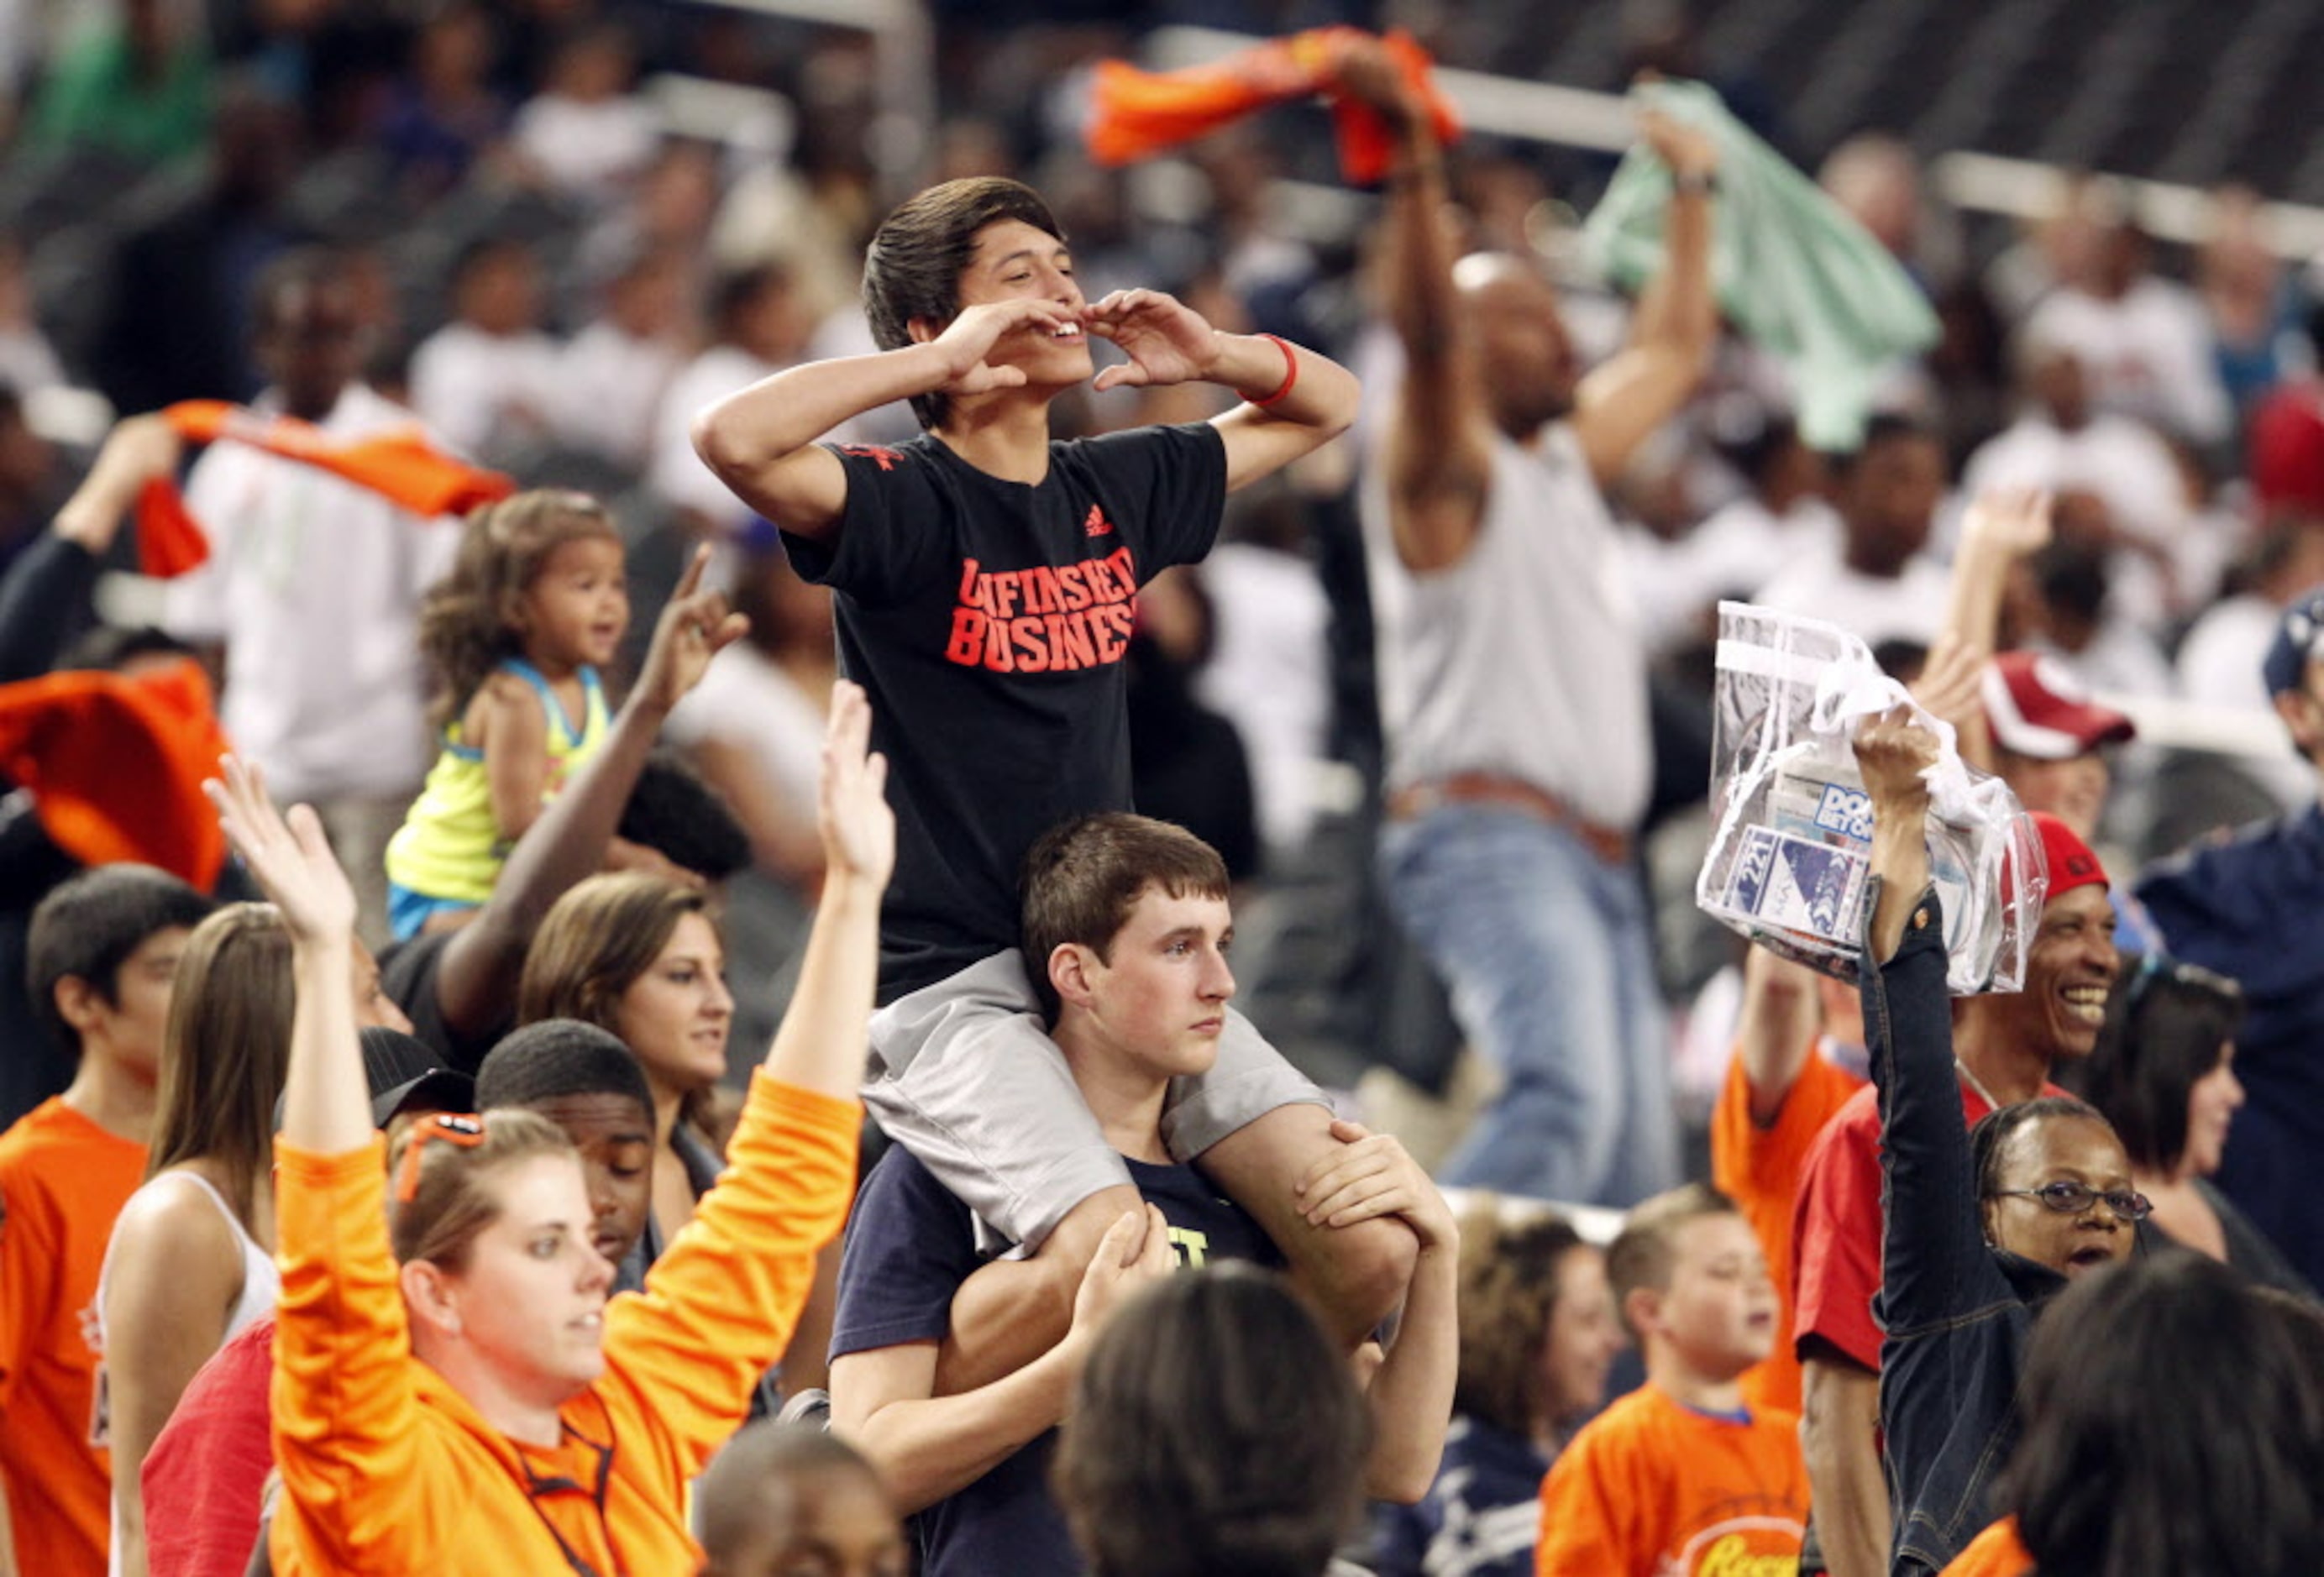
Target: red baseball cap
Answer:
[[2072, 864], [2038, 708]]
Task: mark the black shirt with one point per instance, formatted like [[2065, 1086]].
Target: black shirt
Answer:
[[910, 1245], [988, 620]]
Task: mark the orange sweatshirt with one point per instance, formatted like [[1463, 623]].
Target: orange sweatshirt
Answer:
[[387, 1470], [1760, 1169], [62, 1181], [1998, 1552], [1652, 1489]]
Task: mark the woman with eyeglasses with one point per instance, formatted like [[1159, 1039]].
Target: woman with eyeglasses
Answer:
[[454, 1392], [2163, 1072], [1982, 1228]]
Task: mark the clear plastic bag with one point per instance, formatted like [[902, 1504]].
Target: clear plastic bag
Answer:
[[1791, 825]]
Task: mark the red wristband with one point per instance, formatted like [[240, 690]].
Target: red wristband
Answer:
[[1290, 373]]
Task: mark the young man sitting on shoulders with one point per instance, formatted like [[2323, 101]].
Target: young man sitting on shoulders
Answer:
[[1129, 918], [985, 580]]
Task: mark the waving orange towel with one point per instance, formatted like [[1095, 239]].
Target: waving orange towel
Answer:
[[115, 763], [400, 465], [1138, 113]]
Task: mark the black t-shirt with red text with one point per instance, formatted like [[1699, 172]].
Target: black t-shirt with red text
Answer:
[[988, 620]]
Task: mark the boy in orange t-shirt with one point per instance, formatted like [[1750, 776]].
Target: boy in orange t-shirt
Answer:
[[1781, 1087], [1679, 1478], [102, 954]]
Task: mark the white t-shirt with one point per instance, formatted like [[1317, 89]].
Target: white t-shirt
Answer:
[[2148, 354], [1910, 607], [593, 151], [609, 391], [314, 585], [480, 390], [676, 472], [1735, 549], [747, 701], [1521, 658], [2128, 468], [1269, 674]]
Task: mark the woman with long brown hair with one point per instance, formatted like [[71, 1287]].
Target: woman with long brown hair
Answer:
[[191, 1260], [639, 956]]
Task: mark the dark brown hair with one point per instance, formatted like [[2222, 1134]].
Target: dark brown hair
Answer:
[[466, 619], [594, 944], [2167, 1028], [1082, 878], [86, 930], [1508, 1286], [1215, 1431], [913, 266], [226, 1050], [2173, 1422]]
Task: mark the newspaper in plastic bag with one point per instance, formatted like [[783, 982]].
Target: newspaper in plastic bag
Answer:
[[1791, 848]]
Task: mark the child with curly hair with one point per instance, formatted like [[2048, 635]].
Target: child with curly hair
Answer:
[[535, 605]]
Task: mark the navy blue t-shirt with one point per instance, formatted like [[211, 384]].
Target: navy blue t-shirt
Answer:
[[988, 620], [2247, 908], [910, 1245]]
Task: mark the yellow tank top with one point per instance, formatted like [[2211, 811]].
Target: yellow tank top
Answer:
[[449, 846]]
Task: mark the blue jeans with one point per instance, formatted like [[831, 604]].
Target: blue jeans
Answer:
[[1548, 954]]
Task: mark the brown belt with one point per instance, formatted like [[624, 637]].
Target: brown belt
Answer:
[[1611, 845]]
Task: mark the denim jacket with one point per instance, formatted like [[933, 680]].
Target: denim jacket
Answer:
[[1955, 1309]]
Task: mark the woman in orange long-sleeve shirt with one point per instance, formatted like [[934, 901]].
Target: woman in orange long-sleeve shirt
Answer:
[[479, 1406]]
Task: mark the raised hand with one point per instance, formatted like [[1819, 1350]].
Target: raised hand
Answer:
[[1366, 73], [1372, 1175], [858, 826], [138, 451], [140, 448], [695, 626], [291, 861], [1685, 150], [969, 341], [1166, 340], [2012, 521], [1952, 682], [1892, 751], [1115, 1274]]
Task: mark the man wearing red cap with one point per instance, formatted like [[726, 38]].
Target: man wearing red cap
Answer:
[[2047, 737], [2004, 1046]]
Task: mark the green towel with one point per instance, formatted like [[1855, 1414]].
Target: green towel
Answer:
[[1792, 270]]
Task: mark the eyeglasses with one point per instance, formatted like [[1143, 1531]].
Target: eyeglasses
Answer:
[[468, 1132], [2157, 966], [2073, 1198]]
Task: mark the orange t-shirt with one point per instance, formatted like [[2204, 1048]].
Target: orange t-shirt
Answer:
[[1652, 1489], [1998, 1552], [1760, 1169], [62, 1181]]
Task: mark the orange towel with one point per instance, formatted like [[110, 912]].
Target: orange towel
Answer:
[[400, 465], [1135, 114], [115, 765]]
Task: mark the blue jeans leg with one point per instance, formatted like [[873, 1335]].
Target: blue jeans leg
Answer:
[[1549, 960]]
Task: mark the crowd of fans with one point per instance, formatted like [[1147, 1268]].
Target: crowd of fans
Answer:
[[756, 761]]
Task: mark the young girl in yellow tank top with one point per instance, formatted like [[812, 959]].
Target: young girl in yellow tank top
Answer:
[[514, 637]]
